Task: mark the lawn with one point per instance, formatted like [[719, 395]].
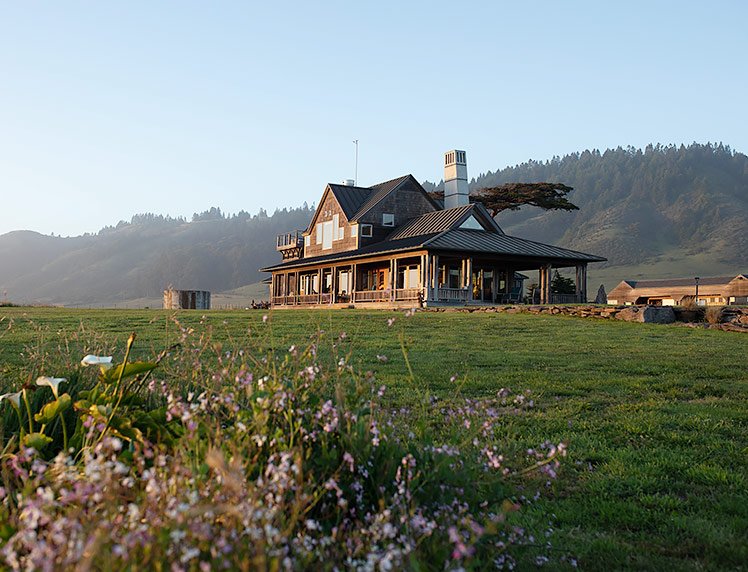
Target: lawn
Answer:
[[655, 417]]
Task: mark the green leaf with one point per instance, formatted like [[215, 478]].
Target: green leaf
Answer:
[[134, 368], [37, 440], [51, 410]]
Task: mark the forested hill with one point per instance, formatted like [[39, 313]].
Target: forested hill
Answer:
[[658, 212], [637, 205], [138, 259]]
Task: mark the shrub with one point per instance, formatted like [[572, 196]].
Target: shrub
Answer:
[[713, 314]]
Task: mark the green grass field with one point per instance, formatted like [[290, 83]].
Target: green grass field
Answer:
[[655, 417]]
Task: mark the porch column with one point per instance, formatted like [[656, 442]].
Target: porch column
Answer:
[[545, 288], [319, 286], [354, 269], [394, 279], [581, 283], [333, 284], [436, 276], [469, 272], [427, 277]]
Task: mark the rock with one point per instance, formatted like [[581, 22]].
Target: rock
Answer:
[[630, 314], [648, 315]]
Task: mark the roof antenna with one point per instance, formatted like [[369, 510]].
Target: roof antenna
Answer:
[[355, 176]]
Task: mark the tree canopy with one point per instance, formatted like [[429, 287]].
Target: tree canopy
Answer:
[[511, 196]]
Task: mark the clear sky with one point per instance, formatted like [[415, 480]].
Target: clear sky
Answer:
[[108, 109]]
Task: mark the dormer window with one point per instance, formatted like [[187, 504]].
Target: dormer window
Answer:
[[366, 230], [388, 219]]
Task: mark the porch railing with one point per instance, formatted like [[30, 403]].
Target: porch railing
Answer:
[[407, 294], [452, 295], [372, 296]]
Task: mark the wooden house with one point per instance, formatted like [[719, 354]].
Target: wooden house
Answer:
[[712, 291], [391, 244]]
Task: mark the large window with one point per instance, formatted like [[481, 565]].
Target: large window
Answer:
[[366, 230], [388, 219]]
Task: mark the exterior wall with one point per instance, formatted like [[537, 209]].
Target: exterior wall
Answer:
[[326, 212], [186, 299]]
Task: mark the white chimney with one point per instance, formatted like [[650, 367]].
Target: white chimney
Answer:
[[456, 191], [349, 182]]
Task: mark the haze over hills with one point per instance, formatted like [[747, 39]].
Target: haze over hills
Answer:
[[658, 212]]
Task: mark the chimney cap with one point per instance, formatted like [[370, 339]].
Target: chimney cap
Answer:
[[349, 182], [455, 157]]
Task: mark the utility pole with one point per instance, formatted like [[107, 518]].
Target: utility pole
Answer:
[[697, 290], [355, 176]]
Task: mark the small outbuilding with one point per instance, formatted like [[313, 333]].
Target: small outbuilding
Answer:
[[186, 299], [711, 291]]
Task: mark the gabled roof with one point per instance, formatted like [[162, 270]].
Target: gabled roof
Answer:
[[676, 282], [443, 220], [382, 190], [350, 199]]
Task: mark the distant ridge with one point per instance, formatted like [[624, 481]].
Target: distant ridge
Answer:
[[661, 212]]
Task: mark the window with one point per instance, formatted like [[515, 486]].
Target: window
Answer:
[[319, 233], [354, 230], [388, 219], [307, 240], [335, 225], [327, 235], [341, 233], [366, 230]]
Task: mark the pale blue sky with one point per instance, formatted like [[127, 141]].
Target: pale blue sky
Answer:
[[111, 109]]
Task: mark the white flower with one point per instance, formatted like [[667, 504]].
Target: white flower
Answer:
[[104, 362], [53, 382], [14, 398]]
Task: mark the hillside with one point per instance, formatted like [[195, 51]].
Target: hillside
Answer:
[[658, 212], [139, 259]]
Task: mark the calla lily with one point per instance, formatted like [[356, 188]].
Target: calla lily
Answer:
[[53, 382], [14, 398], [104, 362]]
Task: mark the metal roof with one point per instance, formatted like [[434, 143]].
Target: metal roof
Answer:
[[443, 220], [456, 239], [350, 199], [435, 221], [494, 243]]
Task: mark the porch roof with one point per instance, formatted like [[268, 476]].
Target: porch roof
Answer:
[[456, 240]]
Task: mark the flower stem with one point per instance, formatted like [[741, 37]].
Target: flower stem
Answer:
[[28, 411], [64, 433]]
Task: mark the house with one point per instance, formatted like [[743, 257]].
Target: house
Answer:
[[392, 245], [718, 290]]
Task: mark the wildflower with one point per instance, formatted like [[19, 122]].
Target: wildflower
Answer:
[[265, 319], [53, 382], [14, 398], [104, 362], [382, 358], [390, 321]]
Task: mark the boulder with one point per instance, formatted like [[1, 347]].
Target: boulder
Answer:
[[647, 314]]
